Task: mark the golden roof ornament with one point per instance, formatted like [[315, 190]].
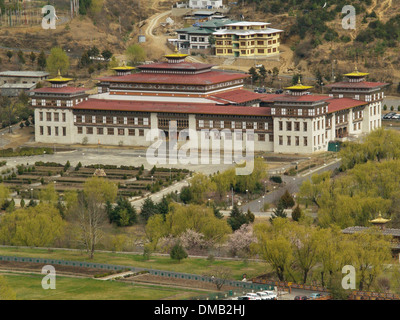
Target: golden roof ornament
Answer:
[[380, 220]]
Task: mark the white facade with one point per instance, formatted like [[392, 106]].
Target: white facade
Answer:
[[205, 4]]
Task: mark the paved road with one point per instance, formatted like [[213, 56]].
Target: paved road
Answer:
[[292, 184]]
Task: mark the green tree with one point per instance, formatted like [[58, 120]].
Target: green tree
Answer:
[[57, 61], [135, 54], [296, 213], [237, 218], [178, 252], [155, 229], [41, 60], [4, 194], [200, 219], [123, 214], [371, 251], [9, 55], [32, 57], [21, 58], [287, 200], [200, 186], [49, 195], [39, 226], [275, 248], [279, 212], [148, 209], [107, 54]]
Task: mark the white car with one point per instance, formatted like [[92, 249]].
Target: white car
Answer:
[[253, 296], [271, 295], [263, 295]]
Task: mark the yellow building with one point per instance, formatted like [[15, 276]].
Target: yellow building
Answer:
[[247, 39]]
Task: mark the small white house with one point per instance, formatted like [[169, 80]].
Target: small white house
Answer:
[[205, 4]]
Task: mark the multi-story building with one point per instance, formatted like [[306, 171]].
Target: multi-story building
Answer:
[[197, 37], [213, 105], [247, 39], [205, 4], [356, 87], [54, 117], [12, 83]]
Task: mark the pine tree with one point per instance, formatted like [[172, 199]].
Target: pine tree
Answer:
[[278, 212], [178, 252], [296, 213]]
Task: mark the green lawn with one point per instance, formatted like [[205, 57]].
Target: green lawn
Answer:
[[192, 265], [28, 287]]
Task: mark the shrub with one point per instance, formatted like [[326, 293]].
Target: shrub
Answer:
[[178, 252], [276, 179]]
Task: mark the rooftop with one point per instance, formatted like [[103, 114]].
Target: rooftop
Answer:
[[170, 107], [33, 74], [248, 23], [387, 231], [247, 32], [195, 30], [18, 86], [343, 104], [62, 90], [357, 85], [206, 78], [122, 97], [237, 96]]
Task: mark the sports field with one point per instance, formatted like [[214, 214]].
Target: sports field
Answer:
[[29, 287]]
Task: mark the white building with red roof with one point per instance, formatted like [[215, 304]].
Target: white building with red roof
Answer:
[[195, 97]]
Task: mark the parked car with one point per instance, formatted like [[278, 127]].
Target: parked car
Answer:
[[244, 298], [315, 295], [300, 298], [263, 295], [280, 91], [253, 296], [389, 115], [271, 295]]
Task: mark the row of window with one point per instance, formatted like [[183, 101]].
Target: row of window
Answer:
[[232, 124], [56, 130], [299, 112], [53, 116], [296, 141], [292, 126], [110, 131], [320, 139], [139, 121], [68, 103]]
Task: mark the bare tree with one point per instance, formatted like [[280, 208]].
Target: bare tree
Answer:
[[220, 276], [90, 216]]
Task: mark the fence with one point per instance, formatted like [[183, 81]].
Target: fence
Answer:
[[362, 295], [168, 274], [284, 284]]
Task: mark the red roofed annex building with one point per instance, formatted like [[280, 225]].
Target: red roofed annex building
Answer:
[[194, 96]]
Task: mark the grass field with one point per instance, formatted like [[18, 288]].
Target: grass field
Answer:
[[191, 265], [28, 287]]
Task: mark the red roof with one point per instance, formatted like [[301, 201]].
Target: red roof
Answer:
[[60, 90], [237, 96], [176, 66], [205, 78], [343, 104], [357, 85], [192, 108], [291, 98]]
